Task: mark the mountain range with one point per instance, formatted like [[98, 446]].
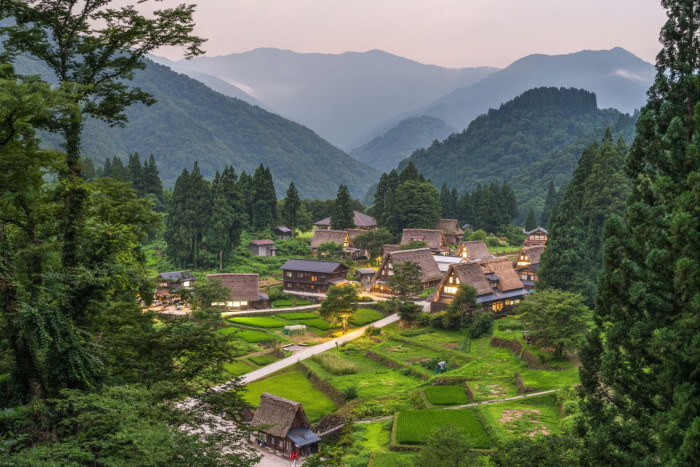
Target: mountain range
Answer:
[[343, 97]]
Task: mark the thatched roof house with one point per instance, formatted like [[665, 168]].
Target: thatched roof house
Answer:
[[497, 285], [474, 250], [285, 425], [339, 237], [245, 291], [528, 264], [361, 220], [453, 233], [435, 239], [430, 273]]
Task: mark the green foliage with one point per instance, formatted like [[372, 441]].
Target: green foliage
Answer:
[[488, 206], [335, 364], [413, 245], [417, 205], [458, 313], [409, 311], [292, 207], [531, 220], [551, 450], [343, 215], [339, 305], [446, 395], [481, 324], [330, 250], [407, 280], [447, 445], [373, 241], [558, 318], [412, 426], [350, 393]]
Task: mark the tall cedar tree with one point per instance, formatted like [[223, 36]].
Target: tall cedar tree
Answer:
[[343, 216], [573, 258], [531, 220], [417, 205], [639, 380], [292, 207], [263, 200], [549, 202]]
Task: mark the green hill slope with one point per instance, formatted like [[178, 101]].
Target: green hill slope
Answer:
[[535, 138]]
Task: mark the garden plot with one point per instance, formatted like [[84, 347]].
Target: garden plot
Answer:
[[524, 417], [256, 337], [294, 386], [237, 368], [413, 426], [493, 389], [446, 395]]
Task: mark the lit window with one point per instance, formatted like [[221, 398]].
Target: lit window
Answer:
[[186, 284], [314, 279], [451, 280], [230, 304], [497, 306], [449, 290], [289, 273]]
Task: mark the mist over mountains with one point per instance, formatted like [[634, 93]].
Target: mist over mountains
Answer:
[[343, 97]]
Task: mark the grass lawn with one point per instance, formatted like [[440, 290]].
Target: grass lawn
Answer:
[[262, 360], [524, 417], [256, 336], [296, 316], [392, 459], [446, 395], [363, 316], [412, 426], [287, 303], [259, 321], [237, 368], [294, 386]]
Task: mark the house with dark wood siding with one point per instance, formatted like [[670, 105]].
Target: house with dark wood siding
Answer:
[[536, 237], [172, 284], [497, 285], [312, 276], [527, 264]]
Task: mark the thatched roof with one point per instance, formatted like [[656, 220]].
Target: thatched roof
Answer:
[[352, 233], [508, 279], [449, 227], [434, 238], [477, 274], [390, 247], [429, 268], [278, 414], [244, 287], [476, 250], [262, 242], [532, 253], [311, 265], [323, 236], [360, 219]]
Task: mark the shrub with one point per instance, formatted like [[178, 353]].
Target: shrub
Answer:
[[426, 292], [482, 324], [366, 299], [492, 242], [372, 331], [335, 364], [350, 393], [423, 319], [275, 293]]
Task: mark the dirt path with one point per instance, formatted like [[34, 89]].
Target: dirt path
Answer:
[[473, 404]]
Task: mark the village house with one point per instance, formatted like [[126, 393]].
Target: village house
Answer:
[[362, 221], [474, 250], [450, 228], [444, 262], [389, 248], [498, 287], [283, 232], [430, 273], [468, 228], [527, 265], [284, 426], [435, 239], [262, 247], [536, 237], [365, 275], [312, 276], [171, 285], [245, 291], [340, 238]]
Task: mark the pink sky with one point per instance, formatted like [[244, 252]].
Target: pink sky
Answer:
[[450, 33]]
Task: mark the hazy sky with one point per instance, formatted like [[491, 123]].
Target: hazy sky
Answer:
[[451, 33]]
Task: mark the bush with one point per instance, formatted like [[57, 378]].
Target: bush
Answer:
[[350, 393], [366, 299], [335, 364], [372, 331], [423, 319], [482, 324], [492, 241], [275, 293]]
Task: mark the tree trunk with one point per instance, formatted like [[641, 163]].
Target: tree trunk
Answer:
[[74, 193]]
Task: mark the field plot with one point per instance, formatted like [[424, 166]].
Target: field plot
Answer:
[[262, 360], [446, 395], [525, 417], [237, 368], [413, 426], [228, 330], [294, 386], [256, 337], [296, 316], [363, 316], [259, 321], [497, 388]]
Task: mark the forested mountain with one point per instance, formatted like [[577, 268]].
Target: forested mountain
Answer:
[[386, 151], [618, 78], [537, 137], [191, 122], [343, 97]]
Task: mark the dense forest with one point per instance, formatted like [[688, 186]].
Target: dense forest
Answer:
[[529, 141]]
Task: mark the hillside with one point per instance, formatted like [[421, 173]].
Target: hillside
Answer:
[[386, 151], [191, 122], [528, 141], [618, 78], [343, 97]]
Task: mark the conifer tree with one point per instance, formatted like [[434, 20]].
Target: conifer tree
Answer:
[[446, 211], [640, 382], [343, 216], [531, 220], [410, 173], [223, 218], [89, 170], [152, 183], [292, 205], [245, 186], [134, 174], [106, 168], [118, 171], [549, 202], [263, 200]]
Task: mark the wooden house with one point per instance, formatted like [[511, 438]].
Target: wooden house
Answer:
[[474, 250], [498, 287], [430, 273], [527, 264], [283, 232], [450, 228], [362, 221], [435, 239], [245, 291], [312, 276], [285, 426], [537, 237], [468, 228], [262, 247], [365, 275], [172, 284]]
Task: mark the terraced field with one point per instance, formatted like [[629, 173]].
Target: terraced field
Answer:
[[412, 426]]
